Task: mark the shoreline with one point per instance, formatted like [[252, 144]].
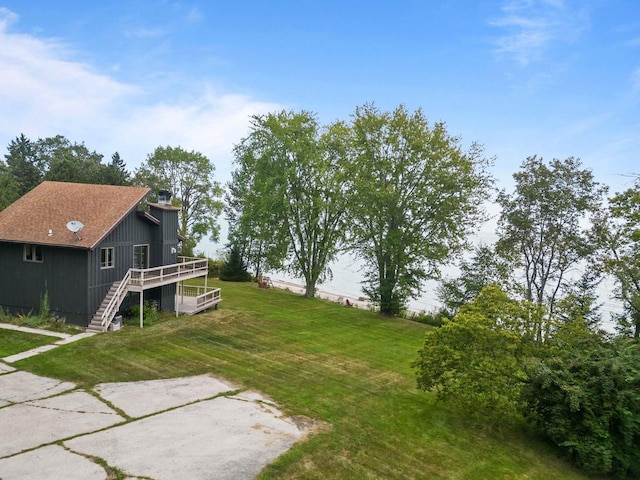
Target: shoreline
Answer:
[[332, 297]]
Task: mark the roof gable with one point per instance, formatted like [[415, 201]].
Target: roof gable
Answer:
[[41, 216]]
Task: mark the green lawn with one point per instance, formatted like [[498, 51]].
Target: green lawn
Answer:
[[12, 342], [347, 368]]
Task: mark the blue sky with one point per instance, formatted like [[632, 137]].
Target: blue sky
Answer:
[[556, 78]]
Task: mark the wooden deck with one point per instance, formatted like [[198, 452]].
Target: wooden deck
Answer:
[[191, 299], [139, 280], [143, 279]]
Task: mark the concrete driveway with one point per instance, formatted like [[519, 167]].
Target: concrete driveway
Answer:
[[184, 428]]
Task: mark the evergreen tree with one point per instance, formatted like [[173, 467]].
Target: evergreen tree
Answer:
[[234, 269]]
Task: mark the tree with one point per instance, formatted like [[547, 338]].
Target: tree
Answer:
[[619, 232], [23, 167], [479, 359], [484, 268], [415, 195], [189, 175], [234, 269], [287, 195], [250, 220], [541, 225], [64, 161], [116, 171], [580, 301], [8, 187]]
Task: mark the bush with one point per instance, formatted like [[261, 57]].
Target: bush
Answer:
[[586, 401], [435, 319], [214, 268], [150, 313]]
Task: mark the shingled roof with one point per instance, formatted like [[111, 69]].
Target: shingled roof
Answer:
[[41, 216]]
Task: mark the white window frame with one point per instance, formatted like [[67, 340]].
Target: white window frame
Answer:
[[107, 258], [30, 253]]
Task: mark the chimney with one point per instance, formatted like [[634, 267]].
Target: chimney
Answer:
[[164, 197]]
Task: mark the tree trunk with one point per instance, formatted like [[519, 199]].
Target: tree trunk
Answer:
[[310, 290]]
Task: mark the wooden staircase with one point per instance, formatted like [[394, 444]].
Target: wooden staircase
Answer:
[[95, 325], [141, 279]]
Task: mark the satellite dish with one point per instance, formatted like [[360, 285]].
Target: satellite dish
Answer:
[[75, 226]]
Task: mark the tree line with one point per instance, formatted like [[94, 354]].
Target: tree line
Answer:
[[190, 176], [521, 336]]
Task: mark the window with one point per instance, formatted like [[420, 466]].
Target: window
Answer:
[[33, 253], [141, 256], [106, 257]]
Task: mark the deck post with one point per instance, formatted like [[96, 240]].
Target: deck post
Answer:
[[141, 308], [177, 300]]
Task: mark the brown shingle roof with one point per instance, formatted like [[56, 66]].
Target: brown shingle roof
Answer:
[[50, 205]]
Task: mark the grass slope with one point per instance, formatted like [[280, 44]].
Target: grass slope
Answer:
[[343, 366], [12, 342]]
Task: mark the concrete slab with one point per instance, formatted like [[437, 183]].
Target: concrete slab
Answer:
[[29, 425], [50, 463], [29, 353], [4, 368], [17, 387], [74, 338], [138, 399], [39, 331], [221, 438]]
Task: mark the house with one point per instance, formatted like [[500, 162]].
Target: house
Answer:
[[93, 252]]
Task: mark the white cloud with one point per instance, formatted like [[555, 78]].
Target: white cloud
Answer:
[[44, 92], [7, 17], [211, 123], [531, 26]]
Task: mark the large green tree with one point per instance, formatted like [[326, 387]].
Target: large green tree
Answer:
[[288, 198], [542, 225], [415, 197], [58, 159], [65, 161], [24, 171], [618, 230], [190, 177]]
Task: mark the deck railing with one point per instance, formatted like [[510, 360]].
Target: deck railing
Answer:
[[187, 267], [205, 296], [115, 302], [147, 277]]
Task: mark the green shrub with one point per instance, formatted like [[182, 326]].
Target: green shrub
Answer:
[[214, 267], [150, 313], [435, 319], [586, 401]]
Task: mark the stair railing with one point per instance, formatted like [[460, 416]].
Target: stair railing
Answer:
[[115, 302]]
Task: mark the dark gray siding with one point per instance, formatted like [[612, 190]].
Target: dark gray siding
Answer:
[[62, 274], [166, 236], [135, 230]]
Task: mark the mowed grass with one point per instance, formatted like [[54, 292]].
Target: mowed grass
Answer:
[[347, 369], [12, 342]]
